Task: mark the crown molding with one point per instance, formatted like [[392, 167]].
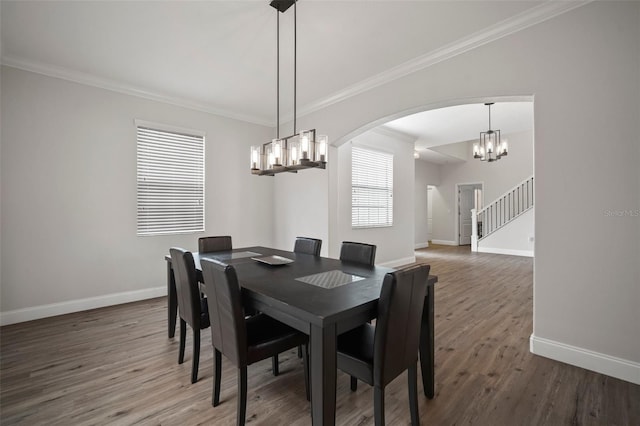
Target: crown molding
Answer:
[[526, 19], [114, 86]]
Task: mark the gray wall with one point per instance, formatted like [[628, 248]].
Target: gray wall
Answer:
[[514, 238], [390, 241], [295, 192], [69, 193], [582, 69]]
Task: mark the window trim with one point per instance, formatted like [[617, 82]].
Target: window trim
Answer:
[[389, 188]]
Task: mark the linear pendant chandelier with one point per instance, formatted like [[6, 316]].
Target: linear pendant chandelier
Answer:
[[302, 150], [490, 147]]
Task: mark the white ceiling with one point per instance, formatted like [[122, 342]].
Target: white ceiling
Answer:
[[219, 56], [458, 124]]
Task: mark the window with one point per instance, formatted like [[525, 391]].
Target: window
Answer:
[[170, 181], [371, 188]]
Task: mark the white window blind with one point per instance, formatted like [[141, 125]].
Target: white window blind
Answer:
[[371, 188], [170, 182]]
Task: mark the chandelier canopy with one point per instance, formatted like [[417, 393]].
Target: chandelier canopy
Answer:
[[301, 150]]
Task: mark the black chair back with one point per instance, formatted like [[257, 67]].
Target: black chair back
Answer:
[[211, 244], [228, 330], [307, 246], [397, 334], [187, 288], [358, 253], [242, 340]]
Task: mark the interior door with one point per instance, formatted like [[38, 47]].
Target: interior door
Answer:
[[465, 204]]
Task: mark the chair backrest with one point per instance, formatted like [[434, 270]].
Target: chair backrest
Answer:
[[358, 253], [228, 327], [187, 287], [398, 325], [307, 245], [218, 243]]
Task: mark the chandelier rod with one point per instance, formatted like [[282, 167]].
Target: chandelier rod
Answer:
[[295, 50], [277, 74], [298, 151]]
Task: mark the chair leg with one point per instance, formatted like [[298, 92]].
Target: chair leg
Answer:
[[354, 384], [217, 375], [183, 338], [412, 374], [242, 395], [196, 356], [378, 405], [274, 365], [299, 351], [305, 360]]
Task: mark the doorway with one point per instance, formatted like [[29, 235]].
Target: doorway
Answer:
[[468, 194]]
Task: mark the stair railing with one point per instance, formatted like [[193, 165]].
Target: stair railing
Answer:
[[503, 210]]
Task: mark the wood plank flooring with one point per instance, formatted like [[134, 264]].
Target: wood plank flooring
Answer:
[[116, 366]]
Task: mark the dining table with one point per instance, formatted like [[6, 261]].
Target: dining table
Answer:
[[319, 296]]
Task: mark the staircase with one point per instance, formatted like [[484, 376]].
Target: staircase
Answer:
[[502, 211]]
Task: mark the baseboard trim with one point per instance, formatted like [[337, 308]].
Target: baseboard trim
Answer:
[[600, 363], [53, 309], [444, 242], [421, 245], [526, 253], [399, 262]]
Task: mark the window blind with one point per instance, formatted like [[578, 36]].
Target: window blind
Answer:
[[170, 182], [371, 188]]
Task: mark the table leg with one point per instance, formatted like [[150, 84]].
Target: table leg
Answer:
[[323, 375], [427, 349], [172, 300]]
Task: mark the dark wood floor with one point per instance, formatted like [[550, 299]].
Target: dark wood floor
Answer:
[[117, 366]]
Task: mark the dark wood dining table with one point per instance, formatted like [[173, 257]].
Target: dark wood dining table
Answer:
[[321, 297]]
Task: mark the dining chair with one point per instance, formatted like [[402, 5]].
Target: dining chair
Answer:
[[191, 305], [217, 243], [378, 354], [223, 243], [358, 253], [307, 245], [311, 246], [243, 340]]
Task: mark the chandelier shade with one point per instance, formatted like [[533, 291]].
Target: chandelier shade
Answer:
[[490, 147], [302, 150], [296, 152]]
